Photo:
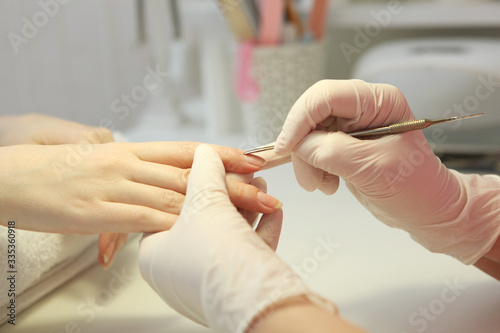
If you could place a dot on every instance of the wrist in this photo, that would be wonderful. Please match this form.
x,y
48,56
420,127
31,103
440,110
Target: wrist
x,y
477,226
301,314
275,310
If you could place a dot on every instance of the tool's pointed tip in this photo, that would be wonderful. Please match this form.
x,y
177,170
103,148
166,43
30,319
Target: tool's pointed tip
x,y
465,117
259,149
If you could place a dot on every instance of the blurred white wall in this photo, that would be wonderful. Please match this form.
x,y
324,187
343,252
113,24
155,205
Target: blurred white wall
x,y
70,59
81,60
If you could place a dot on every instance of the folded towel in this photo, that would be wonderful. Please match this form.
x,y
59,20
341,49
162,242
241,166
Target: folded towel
x,y
43,261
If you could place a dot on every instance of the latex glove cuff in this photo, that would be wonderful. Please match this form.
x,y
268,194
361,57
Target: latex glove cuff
x,y
227,304
477,226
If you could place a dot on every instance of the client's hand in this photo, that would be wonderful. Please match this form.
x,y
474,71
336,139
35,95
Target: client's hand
x,y
45,130
212,266
113,187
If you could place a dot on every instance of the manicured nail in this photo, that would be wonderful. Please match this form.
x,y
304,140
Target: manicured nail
x,y
108,254
269,201
254,160
106,259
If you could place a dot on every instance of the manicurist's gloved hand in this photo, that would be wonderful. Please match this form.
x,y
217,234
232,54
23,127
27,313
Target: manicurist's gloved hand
x,y
397,177
212,266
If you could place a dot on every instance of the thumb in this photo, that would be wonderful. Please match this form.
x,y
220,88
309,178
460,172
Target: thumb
x,y
207,181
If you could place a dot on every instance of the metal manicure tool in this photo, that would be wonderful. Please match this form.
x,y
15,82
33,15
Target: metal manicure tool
x,y
405,126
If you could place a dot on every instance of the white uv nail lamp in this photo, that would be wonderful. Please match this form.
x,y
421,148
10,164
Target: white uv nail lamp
x,y
444,77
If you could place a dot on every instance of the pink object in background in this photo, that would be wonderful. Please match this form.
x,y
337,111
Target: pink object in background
x,y
318,18
246,86
271,21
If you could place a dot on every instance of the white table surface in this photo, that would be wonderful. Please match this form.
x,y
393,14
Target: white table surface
x,y
380,279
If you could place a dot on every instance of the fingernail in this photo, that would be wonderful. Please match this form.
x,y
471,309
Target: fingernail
x,y
269,201
108,254
106,259
254,160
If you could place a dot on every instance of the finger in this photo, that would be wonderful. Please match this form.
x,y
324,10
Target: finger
x,y
330,184
269,228
340,154
259,183
311,178
159,175
180,154
97,135
109,245
161,199
249,197
125,218
249,215
78,134
272,160
104,135
242,195
121,239
107,248
240,177
308,176
172,178
207,181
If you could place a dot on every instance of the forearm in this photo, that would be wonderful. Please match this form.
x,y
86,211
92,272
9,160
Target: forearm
x,y
298,314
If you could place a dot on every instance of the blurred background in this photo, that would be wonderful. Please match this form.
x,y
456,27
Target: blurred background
x,y
149,67
184,70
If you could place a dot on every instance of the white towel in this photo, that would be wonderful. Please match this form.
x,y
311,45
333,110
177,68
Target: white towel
x,y
43,261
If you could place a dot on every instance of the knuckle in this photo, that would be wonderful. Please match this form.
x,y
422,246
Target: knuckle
x,y
392,91
187,147
240,190
105,163
184,176
225,151
171,200
321,84
141,217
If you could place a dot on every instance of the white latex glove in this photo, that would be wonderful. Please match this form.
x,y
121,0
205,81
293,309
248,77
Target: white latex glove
x,y
397,177
212,266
